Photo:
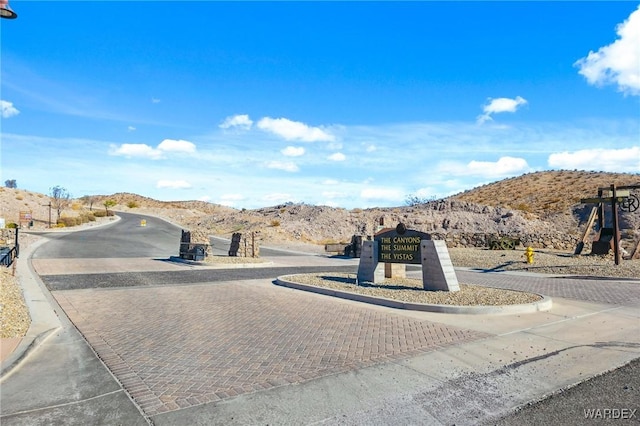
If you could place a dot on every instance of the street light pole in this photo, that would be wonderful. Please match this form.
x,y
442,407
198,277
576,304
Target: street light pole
x,y
49,205
5,10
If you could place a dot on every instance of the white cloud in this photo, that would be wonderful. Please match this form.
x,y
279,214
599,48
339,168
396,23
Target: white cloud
x,y
626,160
294,130
173,184
293,151
240,120
287,166
330,182
505,166
277,197
145,151
8,110
381,194
135,150
371,148
230,200
338,156
499,105
618,62
232,197
205,198
181,146
334,194
131,129
155,100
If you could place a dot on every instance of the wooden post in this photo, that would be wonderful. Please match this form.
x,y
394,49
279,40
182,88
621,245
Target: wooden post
x,y
601,223
616,232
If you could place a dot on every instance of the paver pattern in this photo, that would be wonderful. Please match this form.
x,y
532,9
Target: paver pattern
x,y
613,291
174,347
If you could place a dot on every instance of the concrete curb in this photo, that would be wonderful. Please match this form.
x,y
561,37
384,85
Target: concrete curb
x,y
83,227
542,305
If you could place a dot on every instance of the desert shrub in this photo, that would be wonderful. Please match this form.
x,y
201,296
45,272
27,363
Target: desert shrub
x,y
69,221
11,225
19,197
283,210
102,213
76,206
86,217
524,207
132,204
275,223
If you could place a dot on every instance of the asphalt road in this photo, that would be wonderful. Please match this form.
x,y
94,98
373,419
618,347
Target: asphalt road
x,y
124,238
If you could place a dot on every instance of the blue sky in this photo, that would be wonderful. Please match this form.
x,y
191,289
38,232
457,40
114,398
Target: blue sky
x,y
357,104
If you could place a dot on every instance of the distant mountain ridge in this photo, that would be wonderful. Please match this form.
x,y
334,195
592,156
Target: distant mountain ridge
x,y
542,204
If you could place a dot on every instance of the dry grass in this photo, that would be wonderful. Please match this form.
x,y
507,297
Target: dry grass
x,y
545,193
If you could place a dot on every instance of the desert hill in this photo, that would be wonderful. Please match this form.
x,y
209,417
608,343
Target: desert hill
x,y
546,194
541,207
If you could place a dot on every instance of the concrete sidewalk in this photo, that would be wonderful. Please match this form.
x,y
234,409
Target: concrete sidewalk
x,y
54,376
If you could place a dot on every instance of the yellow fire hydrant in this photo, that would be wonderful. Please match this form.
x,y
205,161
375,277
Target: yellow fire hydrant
x,y
528,253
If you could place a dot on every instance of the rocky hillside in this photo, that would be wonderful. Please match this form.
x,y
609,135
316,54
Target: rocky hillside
x,y
542,208
546,194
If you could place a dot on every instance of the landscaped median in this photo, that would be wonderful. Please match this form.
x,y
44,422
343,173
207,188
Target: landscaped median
x,y
408,293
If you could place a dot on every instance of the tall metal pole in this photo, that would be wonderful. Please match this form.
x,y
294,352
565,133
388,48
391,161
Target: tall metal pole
x,y
616,233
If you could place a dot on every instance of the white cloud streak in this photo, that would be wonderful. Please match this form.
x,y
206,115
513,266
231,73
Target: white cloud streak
x,y
619,62
177,146
626,160
294,130
287,166
241,121
382,194
338,156
503,167
167,146
292,151
499,105
173,184
8,110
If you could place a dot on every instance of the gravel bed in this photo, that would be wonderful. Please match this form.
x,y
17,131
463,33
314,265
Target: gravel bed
x,y
14,315
545,262
411,290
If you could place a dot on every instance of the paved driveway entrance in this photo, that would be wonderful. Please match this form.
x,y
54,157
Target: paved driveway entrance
x,y
179,346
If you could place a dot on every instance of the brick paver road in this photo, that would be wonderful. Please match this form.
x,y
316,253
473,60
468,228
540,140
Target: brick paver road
x,y
174,347
617,291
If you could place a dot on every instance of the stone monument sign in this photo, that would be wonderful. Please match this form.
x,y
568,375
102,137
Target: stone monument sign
x,y
407,246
